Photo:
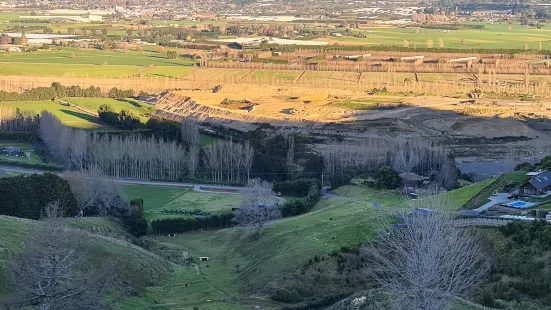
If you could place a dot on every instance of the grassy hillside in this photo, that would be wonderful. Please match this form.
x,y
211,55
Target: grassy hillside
x,y
510,179
134,264
83,115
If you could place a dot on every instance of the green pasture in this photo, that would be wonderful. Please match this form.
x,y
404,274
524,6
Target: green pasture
x,y
495,35
92,105
159,198
81,113
69,116
93,63
370,104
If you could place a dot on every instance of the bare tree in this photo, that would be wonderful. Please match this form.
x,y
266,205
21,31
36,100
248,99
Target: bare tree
x,y
427,262
193,161
190,131
258,209
95,195
48,272
448,175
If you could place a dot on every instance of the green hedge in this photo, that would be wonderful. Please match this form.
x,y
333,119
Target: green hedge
x,y
182,225
26,195
18,136
37,166
310,189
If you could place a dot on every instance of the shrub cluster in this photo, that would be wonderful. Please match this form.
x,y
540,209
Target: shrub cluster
x,y
135,223
125,119
26,196
116,93
519,256
165,128
309,190
182,225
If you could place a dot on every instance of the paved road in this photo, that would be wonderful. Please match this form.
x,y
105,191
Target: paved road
x,y
199,187
204,188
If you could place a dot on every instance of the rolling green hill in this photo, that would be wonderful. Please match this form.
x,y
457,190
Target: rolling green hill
x,y
134,264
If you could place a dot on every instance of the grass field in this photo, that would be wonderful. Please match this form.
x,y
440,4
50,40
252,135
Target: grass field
x,y
93,63
67,115
73,117
495,35
335,222
159,198
93,104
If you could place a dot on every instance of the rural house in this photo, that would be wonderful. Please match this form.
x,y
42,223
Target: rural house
x,y
538,184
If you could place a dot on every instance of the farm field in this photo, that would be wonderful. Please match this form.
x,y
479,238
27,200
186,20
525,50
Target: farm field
x,y
93,104
266,75
69,116
163,198
495,35
92,63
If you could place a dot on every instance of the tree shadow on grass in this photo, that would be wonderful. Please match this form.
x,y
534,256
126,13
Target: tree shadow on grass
x,y
132,102
83,116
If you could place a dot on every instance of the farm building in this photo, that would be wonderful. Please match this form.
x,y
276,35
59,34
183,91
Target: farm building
x,y
539,184
11,151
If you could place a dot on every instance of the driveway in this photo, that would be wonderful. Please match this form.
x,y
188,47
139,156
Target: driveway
x,y
494,200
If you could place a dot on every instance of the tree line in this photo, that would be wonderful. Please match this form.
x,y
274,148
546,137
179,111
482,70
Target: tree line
x,y
125,119
56,90
404,155
182,225
16,120
26,196
147,157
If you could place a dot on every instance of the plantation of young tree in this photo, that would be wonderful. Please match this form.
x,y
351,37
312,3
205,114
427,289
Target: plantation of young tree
x,y
145,157
404,155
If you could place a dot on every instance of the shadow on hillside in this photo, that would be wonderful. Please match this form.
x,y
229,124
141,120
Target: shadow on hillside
x,y
80,115
132,102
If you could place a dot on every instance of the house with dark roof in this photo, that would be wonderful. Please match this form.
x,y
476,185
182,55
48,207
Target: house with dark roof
x,y
539,184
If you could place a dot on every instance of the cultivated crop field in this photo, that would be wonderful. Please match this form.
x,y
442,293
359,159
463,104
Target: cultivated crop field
x,y
266,75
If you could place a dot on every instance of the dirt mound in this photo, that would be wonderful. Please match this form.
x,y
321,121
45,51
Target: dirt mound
x,y
481,127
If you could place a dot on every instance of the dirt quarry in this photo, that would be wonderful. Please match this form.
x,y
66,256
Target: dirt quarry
x,y
470,127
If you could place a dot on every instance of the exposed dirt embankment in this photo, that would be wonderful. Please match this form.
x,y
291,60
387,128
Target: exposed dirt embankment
x,y
277,109
176,106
